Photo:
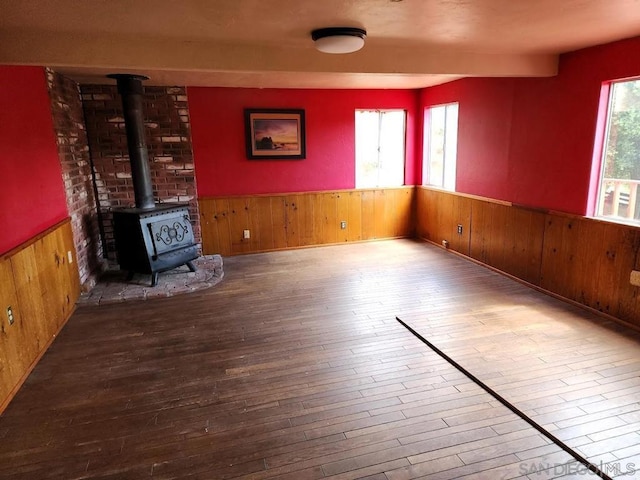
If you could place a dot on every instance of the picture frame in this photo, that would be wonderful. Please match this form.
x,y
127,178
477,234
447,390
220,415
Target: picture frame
x,y
275,134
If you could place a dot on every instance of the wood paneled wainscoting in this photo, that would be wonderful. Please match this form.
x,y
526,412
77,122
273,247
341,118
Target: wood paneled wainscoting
x,y
283,221
584,260
39,286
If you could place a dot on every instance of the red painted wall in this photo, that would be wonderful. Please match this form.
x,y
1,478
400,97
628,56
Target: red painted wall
x,y
217,128
32,195
530,141
484,122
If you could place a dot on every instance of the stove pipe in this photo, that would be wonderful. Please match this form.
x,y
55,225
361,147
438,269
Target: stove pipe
x,y
130,88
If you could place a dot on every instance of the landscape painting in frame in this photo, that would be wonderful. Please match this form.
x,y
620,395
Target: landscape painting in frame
x,y
274,134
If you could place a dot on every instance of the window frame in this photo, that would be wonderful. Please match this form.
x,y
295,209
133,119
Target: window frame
x,y
426,147
381,111
595,207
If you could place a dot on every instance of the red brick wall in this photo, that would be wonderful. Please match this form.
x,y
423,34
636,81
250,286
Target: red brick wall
x,y
168,138
73,151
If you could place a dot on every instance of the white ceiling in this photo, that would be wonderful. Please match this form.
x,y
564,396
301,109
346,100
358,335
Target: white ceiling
x,y
267,43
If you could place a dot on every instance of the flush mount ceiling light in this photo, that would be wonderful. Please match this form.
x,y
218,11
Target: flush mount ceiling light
x,y
339,39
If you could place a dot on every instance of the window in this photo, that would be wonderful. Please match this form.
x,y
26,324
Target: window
x,y
380,152
618,197
440,146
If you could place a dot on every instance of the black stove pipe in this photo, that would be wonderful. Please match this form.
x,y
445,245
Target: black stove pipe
x,y
130,89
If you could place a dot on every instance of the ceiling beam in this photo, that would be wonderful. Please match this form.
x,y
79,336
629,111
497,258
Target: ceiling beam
x,y
95,55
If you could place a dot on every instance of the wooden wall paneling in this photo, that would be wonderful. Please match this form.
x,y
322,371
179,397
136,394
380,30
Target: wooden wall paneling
x,y
368,214
433,217
464,219
12,337
238,222
559,264
62,284
513,223
591,235
411,220
634,307
262,222
292,204
435,234
388,200
480,230
29,293
311,227
330,215
206,207
304,219
449,220
617,259
395,210
404,212
354,219
317,218
508,258
551,270
578,258
606,256
51,267
381,221
42,285
255,233
209,225
279,220
527,230
403,215
223,226
72,268
573,234
443,218
431,200
421,212
497,236
439,232
342,215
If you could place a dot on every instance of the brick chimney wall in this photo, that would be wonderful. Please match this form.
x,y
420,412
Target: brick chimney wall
x,y
168,138
73,150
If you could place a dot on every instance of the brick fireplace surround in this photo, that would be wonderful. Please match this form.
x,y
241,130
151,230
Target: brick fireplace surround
x,y
90,129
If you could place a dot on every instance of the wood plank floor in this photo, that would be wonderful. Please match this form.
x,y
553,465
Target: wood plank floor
x,y
295,368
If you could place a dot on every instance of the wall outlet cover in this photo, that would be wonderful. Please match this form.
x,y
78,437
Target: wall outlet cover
x,y
635,278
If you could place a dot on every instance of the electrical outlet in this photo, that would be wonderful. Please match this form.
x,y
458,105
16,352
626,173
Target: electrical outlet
x,y
343,225
69,256
10,315
445,243
635,278
459,229
246,234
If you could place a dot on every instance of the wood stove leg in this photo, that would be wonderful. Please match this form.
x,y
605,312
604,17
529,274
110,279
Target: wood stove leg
x,y
130,275
154,279
192,267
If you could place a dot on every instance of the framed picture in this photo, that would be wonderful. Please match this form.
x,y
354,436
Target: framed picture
x,y
274,134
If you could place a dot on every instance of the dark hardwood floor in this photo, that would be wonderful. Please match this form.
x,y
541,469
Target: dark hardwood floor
x,y
295,368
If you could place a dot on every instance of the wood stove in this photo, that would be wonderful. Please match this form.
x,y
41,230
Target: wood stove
x,y
149,238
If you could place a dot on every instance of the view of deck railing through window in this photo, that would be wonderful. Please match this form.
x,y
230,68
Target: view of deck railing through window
x,y
620,170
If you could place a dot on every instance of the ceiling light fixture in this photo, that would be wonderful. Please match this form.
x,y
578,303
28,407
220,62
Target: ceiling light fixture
x,y
339,39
